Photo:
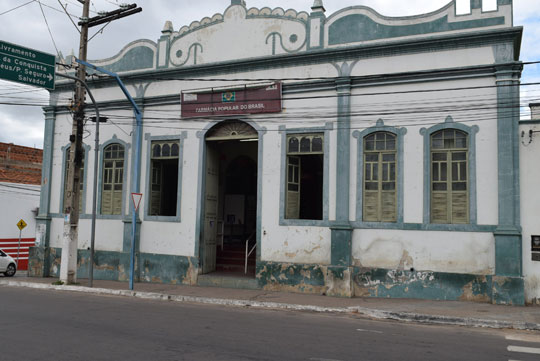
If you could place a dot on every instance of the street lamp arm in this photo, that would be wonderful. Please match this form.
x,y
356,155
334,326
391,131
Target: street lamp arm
x,y
118,80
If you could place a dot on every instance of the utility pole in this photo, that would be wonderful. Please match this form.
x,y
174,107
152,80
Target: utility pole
x,y
68,265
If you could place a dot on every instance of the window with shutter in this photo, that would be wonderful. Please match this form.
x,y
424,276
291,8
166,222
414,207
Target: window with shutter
x,y
304,182
380,188
164,178
112,182
449,177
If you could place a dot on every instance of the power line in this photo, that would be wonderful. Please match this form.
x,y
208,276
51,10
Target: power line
x,y
391,92
48,27
18,7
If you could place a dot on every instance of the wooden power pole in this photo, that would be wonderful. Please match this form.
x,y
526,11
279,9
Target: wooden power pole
x,y
68,265
72,198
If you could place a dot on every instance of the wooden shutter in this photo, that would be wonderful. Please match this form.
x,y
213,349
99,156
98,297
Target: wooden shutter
x,y
292,207
155,196
371,206
449,177
460,209
106,202
379,190
439,207
388,206
118,187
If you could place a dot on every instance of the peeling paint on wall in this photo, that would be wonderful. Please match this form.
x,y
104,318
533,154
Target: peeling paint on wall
x,y
420,284
115,266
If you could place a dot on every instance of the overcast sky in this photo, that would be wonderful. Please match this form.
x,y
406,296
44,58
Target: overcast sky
x,y
27,26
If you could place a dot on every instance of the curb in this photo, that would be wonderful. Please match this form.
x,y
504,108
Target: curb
x,y
363,311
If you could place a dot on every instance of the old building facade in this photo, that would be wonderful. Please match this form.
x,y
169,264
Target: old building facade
x,y
356,154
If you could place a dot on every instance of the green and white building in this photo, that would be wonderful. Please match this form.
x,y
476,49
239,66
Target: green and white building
x,y
359,154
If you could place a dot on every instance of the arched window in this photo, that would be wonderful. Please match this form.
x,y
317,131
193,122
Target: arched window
x,y
449,177
164,178
113,177
380,174
305,176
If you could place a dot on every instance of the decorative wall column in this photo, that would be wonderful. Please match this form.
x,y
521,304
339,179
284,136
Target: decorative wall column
x,y
315,28
341,229
164,44
39,255
508,284
134,175
339,275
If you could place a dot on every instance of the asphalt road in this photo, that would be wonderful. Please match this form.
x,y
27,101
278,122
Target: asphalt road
x,y
49,325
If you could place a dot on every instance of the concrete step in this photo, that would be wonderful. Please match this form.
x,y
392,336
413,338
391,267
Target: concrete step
x,y
236,268
227,280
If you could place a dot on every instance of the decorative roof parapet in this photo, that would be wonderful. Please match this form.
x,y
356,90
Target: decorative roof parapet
x,y
318,7
278,13
167,28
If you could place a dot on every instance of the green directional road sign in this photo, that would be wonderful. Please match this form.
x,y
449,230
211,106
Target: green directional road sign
x,y
26,66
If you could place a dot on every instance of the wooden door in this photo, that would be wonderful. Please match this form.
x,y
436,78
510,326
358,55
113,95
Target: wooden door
x,y
211,209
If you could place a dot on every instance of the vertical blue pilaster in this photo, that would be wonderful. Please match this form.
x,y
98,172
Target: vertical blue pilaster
x,y
508,242
341,231
39,258
476,4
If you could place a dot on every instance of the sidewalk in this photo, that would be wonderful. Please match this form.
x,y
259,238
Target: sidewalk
x,y
424,311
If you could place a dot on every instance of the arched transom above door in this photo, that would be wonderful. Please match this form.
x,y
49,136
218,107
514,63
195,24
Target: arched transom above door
x,y
231,130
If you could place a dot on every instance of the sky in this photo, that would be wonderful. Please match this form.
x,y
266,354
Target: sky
x,y
43,25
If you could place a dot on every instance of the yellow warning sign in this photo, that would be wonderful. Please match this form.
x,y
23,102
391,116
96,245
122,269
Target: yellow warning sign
x,y
21,224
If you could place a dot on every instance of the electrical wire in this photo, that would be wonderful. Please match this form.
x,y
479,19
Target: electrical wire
x,y
18,7
49,28
70,18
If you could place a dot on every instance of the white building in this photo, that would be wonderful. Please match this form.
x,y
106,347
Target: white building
x,y
366,155
20,175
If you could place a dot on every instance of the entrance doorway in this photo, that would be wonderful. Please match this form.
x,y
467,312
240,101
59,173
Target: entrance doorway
x,y
230,199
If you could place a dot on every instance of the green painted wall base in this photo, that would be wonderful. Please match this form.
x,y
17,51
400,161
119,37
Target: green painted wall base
x,y
336,281
439,286
114,266
341,246
303,278
38,262
340,281
508,290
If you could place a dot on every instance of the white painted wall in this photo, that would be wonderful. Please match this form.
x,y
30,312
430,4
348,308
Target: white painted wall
x,y
457,252
453,252
17,202
530,207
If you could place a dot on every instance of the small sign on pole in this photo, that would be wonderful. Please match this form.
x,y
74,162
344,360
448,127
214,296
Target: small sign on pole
x,y
136,197
21,225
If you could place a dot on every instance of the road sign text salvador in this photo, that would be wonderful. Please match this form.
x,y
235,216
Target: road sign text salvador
x,y
26,66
